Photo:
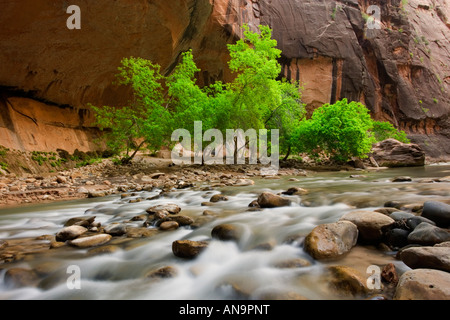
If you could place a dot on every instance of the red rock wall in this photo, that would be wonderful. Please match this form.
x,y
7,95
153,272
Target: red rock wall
x,y
402,72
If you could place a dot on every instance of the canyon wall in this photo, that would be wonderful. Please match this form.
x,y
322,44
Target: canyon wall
x,y
49,74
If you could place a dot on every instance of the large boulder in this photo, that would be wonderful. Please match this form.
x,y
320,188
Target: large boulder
x,y
438,212
331,240
427,257
427,234
423,284
270,200
70,233
91,241
372,225
393,153
188,249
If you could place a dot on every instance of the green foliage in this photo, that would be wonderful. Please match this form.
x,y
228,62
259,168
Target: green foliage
x,y
385,130
255,99
341,131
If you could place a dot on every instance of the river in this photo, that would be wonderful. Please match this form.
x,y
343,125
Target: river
x,y
226,269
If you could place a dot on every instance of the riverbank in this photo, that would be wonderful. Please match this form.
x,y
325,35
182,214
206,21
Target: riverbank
x,y
144,173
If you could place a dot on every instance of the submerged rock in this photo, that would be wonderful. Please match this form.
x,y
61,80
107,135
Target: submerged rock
x,y
227,232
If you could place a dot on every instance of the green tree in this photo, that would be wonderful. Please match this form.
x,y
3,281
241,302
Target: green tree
x,y
341,131
144,121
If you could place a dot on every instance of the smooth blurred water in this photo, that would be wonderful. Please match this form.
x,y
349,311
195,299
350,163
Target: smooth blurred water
x,y
225,270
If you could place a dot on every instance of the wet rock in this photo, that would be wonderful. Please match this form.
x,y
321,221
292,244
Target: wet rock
x,y
371,225
163,273
401,215
226,232
218,197
270,200
348,281
393,153
438,212
243,182
169,208
181,220
413,222
332,240
103,250
116,229
279,295
292,263
423,284
169,225
389,274
97,193
427,234
91,241
136,232
84,221
296,191
402,179
188,249
427,257
70,233
397,238
254,204
3,244
20,277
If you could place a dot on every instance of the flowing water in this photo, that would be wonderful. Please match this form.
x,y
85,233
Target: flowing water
x,y
226,269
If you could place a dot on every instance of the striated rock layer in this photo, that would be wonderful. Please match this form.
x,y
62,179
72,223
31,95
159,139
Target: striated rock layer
x,y
400,71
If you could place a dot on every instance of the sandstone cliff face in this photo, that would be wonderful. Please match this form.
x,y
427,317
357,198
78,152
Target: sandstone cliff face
x,y
401,72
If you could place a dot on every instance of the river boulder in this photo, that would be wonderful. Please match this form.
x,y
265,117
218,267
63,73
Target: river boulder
x,y
70,233
331,240
116,229
270,200
438,212
393,153
423,284
427,234
92,241
227,232
188,249
427,257
371,225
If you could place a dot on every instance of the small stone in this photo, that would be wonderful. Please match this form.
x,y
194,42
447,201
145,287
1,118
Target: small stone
x,y
295,191
389,274
20,277
163,273
402,179
218,197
